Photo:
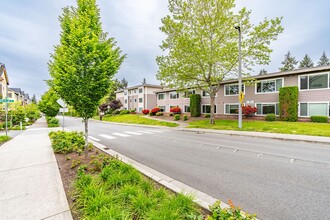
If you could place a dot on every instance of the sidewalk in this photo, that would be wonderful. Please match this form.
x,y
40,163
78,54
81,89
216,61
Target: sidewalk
x,y
30,182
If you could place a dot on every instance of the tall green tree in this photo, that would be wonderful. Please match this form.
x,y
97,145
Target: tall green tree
x,y
262,72
289,62
85,61
48,103
324,60
123,84
34,99
144,81
306,62
202,44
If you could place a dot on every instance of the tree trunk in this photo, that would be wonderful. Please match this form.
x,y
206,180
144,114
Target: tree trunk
x,y
86,137
212,96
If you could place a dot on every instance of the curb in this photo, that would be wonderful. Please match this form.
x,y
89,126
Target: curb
x,y
200,198
133,125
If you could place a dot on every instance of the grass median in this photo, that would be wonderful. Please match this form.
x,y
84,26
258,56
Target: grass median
x,y
136,119
4,138
302,128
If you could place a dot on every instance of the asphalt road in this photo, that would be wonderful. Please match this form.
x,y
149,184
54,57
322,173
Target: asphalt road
x,y
273,178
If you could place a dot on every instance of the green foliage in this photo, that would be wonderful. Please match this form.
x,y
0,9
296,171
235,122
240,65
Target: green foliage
x,y
4,138
289,62
66,142
202,44
324,60
195,105
48,103
319,119
17,115
159,114
75,163
270,117
185,118
32,112
306,62
288,103
177,117
231,213
52,122
207,116
124,112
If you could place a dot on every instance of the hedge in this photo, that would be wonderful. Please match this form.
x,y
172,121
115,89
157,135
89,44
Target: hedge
x,y
288,103
319,119
195,105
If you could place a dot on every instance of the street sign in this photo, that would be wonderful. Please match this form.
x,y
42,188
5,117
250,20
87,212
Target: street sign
x,y
61,103
64,110
241,97
6,100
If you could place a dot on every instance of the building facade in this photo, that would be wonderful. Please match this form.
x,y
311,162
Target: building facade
x,y
138,97
4,81
313,84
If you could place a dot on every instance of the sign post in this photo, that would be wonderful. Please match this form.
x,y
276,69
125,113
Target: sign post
x,y
63,109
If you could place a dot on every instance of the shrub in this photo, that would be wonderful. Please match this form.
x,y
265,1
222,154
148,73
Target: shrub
x,y
195,105
133,111
159,114
52,122
270,117
288,103
185,118
154,111
145,111
177,117
319,119
207,116
176,110
66,142
171,114
228,213
248,110
124,112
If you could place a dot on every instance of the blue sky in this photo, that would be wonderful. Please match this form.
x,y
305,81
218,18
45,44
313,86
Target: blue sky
x,y
29,29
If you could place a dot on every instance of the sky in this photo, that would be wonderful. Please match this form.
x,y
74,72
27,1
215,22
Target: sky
x,y
30,29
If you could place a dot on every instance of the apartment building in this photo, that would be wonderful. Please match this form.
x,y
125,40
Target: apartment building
x,y
313,84
138,97
4,81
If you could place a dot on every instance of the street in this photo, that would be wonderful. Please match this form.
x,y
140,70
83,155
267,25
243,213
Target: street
x,y
275,179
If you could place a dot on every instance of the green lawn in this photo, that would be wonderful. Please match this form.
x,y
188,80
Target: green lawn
x,y
136,119
4,138
304,128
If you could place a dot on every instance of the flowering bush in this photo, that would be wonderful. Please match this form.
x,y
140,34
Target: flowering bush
x,y
154,111
145,111
248,110
175,110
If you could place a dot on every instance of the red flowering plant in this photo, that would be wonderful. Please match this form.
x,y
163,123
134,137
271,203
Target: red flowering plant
x,y
145,111
176,110
248,110
154,111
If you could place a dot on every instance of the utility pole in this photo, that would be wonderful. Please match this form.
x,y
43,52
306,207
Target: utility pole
x,y
239,75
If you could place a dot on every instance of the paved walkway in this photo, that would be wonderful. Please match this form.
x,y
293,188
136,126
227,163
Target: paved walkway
x,y
30,182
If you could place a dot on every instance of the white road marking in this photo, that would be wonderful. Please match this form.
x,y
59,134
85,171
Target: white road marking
x,y
121,135
147,132
107,136
93,138
155,131
134,133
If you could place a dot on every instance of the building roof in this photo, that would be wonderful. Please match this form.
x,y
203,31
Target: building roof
x,y
142,85
16,90
270,75
4,71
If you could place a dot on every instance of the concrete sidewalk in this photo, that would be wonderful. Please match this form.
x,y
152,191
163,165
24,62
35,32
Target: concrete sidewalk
x,y
30,182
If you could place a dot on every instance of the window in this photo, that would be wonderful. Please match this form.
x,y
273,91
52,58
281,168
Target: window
x,y
205,94
269,86
161,96
125,92
10,95
140,90
134,100
310,109
267,108
231,108
125,101
140,100
315,81
233,89
174,95
140,109
188,93
162,108
186,108
135,90
206,109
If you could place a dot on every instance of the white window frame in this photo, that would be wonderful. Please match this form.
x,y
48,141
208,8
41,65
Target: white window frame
x,y
308,116
141,90
184,94
177,95
210,108
184,108
224,89
266,103
163,93
224,108
313,74
262,93
162,106
208,95
141,100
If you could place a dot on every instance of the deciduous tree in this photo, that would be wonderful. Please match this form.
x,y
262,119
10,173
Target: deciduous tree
x,y
202,44
48,103
85,61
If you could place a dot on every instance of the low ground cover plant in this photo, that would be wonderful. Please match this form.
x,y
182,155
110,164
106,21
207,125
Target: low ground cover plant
x,y
4,138
270,117
231,213
177,117
207,115
52,122
185,118
319,119
124,112
159,114
66,142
